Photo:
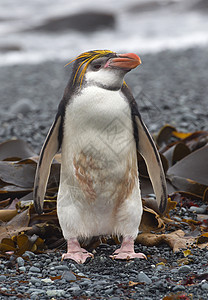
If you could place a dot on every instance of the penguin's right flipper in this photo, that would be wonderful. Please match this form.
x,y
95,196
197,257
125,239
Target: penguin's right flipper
x,y
48,151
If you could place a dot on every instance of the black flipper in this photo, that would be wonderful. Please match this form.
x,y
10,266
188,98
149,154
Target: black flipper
x,y
48,151
147,148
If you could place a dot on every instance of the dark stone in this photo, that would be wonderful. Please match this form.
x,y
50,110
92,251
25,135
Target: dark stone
x,y
149,6
84,21
201,5
7,48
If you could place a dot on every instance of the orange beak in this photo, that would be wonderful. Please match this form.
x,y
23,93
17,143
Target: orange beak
x,y
126,61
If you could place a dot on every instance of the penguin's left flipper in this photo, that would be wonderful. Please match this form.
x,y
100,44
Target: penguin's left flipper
x,y
48,151
147,148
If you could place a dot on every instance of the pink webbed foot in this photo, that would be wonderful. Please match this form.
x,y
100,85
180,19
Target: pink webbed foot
x,y
126,251
75,252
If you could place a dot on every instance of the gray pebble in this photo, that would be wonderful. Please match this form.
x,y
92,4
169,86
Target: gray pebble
x,y
74,288
60,281
174,271
68,276
115,298
142,277
28,254
53,273
160,267
204,286
109,291
154,278
2,277
184,269
199,210
20,261
34,290
178,288
22,106
35,280
22,269
158,283
61,267
55,293
85,282
34,270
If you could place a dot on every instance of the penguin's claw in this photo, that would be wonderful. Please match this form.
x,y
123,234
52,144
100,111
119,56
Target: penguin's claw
x,y
75,252
126,251
79,256
127,255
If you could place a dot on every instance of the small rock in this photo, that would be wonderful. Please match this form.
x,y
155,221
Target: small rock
x,y
142,277
22,106
184,269
61,267
55,293
199,210
85,282
74,289
53,273
28,254
204,286
178,288
34,270
47,280
109,291
34,280
68,276
174,264
2,277
154,278
174,271
22,269
37,291
20,261
160,267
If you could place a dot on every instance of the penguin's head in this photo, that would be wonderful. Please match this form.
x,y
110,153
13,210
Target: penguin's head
x,y
102,68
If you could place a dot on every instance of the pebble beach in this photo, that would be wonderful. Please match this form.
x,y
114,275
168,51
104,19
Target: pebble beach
x,y
170,87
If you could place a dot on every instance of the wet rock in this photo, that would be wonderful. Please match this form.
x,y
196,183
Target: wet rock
x,y
34,270
83,21
204,286
7,48
55,293
2,277
149,6
178,288
22,106
199,210
184,269
142,277
20,261
68,276
201,5
61,267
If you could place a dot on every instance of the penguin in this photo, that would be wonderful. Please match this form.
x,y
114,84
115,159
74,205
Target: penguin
x,y
101,133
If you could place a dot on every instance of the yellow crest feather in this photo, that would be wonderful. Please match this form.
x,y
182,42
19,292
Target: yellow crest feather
x,y
87,58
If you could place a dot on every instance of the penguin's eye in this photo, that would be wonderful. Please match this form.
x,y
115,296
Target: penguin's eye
x,y
96,67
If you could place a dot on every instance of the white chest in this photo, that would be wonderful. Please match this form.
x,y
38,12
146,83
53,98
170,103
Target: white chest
x,y
100,119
